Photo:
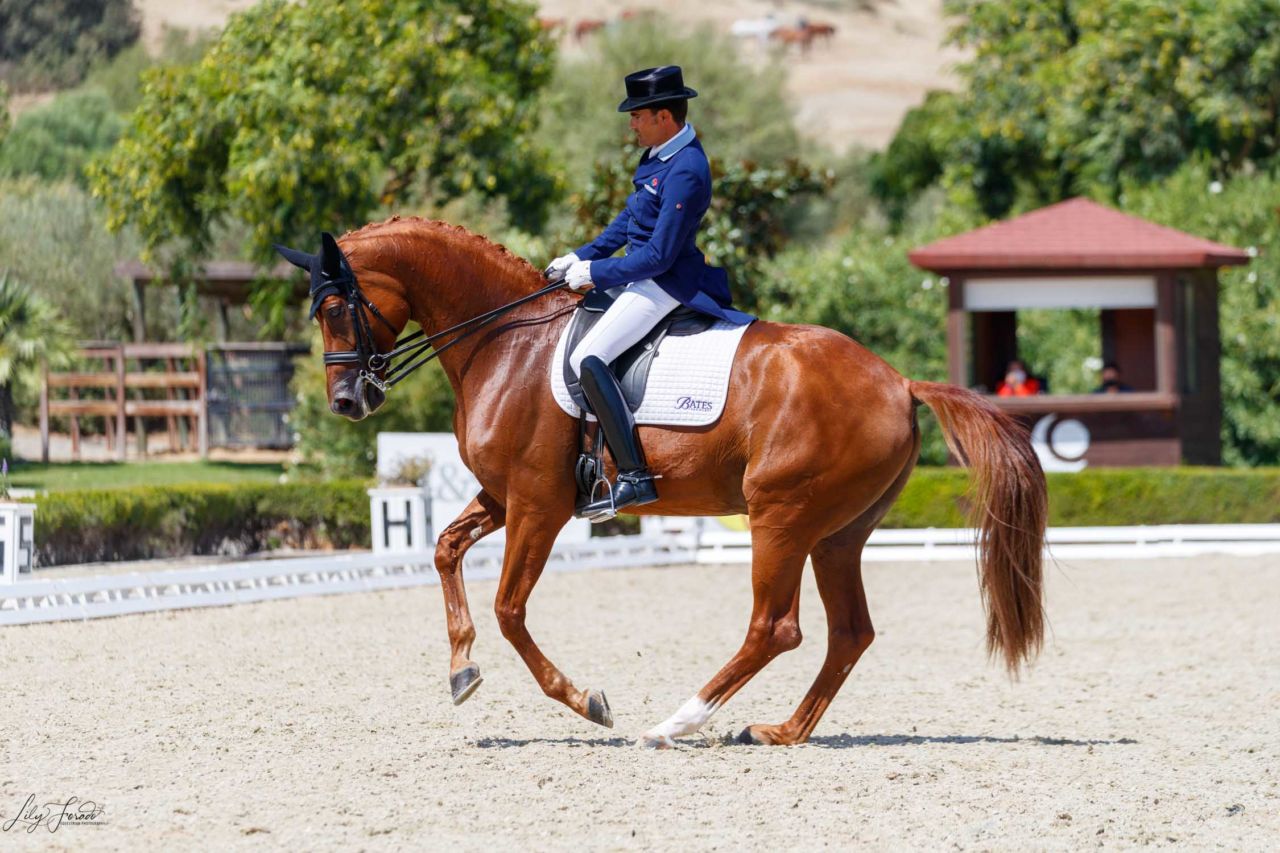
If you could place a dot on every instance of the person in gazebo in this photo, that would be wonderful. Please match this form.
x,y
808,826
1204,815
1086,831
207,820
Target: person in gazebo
x,y
1017,382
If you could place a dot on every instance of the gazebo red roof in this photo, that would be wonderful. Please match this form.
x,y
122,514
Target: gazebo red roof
x,y
1074,234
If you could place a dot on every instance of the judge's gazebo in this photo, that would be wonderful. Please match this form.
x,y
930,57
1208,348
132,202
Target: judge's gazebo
x,y
1157,294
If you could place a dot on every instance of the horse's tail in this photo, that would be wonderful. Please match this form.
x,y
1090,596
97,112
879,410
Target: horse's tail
x,y
1009,509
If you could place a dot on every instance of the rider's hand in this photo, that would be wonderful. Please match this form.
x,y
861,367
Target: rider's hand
x,y
579,276
557,268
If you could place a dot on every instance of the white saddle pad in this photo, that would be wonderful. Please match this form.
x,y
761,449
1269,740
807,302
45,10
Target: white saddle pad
x,y
688,380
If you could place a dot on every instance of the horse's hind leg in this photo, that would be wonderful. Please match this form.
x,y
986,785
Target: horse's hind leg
x,y
777,561
837,567
480,518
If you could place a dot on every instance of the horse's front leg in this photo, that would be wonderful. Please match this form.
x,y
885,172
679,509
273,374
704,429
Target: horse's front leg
x,y
530,535
480,518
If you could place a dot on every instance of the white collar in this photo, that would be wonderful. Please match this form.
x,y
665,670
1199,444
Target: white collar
x,y
668,149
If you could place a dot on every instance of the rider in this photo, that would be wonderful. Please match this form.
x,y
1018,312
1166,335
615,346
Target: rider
x,y
662,269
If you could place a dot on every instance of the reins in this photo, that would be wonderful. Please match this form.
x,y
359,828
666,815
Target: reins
x,y
410,347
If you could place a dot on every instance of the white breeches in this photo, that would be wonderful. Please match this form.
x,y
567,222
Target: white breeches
x,y
634,312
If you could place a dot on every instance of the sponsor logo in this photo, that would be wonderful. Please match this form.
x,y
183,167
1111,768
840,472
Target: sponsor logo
x,y
694,405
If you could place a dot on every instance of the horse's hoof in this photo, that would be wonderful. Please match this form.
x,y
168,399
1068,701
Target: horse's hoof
x,y
652,741
598,709
752,736
464,682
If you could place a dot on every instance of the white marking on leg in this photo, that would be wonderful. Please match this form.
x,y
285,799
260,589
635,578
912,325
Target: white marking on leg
x,y
691,717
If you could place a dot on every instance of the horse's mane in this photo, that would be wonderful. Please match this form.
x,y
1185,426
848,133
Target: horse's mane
x,y
452,233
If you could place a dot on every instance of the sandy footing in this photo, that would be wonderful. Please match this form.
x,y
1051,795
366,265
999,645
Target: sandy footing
x,y
326,723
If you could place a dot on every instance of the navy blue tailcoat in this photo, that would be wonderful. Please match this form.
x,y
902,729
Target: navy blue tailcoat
x,y
659,227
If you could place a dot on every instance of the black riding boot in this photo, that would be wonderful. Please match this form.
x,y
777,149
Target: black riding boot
x,y
634,485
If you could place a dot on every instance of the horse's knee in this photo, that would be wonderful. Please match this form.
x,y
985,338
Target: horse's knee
x,y
446,556
510,619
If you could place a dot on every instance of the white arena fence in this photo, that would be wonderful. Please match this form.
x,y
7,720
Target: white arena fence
x,y
665,541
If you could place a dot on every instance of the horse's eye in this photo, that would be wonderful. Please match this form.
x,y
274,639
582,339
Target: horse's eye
x,y
334,311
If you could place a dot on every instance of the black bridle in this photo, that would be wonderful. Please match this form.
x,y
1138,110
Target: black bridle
x,y
409,348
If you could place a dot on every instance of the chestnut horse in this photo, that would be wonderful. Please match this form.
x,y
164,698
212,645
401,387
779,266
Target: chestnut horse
x,y
818,437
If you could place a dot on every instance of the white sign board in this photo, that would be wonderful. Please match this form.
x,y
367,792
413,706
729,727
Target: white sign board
x,y
449,483
17,540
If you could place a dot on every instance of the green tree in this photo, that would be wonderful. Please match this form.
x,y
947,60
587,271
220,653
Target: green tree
x,y
1067,97
305,117
1240,211
30,332
49,43
56,140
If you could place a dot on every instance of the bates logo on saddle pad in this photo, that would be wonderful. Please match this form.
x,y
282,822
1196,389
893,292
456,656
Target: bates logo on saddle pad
x,y
687,383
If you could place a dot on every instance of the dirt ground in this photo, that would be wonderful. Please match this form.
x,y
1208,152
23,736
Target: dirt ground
x,y
326,723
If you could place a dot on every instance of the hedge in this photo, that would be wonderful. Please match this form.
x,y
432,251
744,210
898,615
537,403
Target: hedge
x,y
936,497
140,523
145,522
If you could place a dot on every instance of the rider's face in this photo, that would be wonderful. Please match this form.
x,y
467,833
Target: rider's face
x,y
650,127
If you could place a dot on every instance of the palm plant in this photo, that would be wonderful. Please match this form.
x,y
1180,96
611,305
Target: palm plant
x,y
31,332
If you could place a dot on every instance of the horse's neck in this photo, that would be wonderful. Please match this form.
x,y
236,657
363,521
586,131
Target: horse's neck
x,y
464,282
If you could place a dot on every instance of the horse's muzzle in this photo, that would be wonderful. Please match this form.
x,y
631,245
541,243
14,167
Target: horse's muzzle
x,y
354,398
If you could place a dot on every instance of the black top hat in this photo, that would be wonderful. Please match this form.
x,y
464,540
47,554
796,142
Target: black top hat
x,y
664,83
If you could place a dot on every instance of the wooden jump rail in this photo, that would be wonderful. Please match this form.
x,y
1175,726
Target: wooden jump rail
x,y
119,405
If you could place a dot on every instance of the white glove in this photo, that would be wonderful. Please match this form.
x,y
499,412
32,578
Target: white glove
x,y
579,276
557,268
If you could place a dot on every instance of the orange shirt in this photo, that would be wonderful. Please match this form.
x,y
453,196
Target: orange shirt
x,y
1027,388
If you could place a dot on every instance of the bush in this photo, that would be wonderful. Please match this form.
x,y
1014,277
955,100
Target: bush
x,y
1098,497
142,523
56,141
52,238
145,522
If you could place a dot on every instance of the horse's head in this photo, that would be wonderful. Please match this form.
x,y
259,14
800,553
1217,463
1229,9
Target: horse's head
x,y
359,325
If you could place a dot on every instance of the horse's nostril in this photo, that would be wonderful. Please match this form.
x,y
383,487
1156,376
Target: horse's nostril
x,y
342,405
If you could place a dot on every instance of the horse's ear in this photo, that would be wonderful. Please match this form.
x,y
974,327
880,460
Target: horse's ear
x,y
294,256
330,256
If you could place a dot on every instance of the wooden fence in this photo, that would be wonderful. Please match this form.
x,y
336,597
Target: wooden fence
x,y
127,386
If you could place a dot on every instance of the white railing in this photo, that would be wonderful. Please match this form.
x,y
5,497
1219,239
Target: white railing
x,y
263,580
1102,543
74,598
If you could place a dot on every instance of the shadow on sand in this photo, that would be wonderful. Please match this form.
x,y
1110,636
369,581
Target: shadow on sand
x,y
822,741
848,741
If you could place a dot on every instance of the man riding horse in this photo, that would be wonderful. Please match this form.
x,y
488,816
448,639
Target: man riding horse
x,y
662,269
813,494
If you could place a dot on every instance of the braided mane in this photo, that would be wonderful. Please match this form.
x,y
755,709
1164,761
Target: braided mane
x,y
453,233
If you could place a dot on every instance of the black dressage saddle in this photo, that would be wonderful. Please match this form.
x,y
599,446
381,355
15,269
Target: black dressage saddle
x,y
632,367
